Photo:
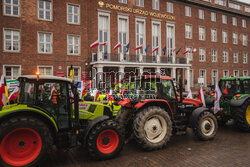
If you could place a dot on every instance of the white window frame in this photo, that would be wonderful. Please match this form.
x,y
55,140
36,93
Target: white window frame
x,y
143,20
244,41
213,16
79,14
235,57
12,5
243,73
234,21
201,14
10,65
244,57
236,71
202,54
235,38
214,56
215,38
202,33
140,3
189,55
12,40
73,44
156,4
158,23
123,1
224,36
123,17
170,7
45,66
104,14
205,76
216,77
191,31
79,72
225,56
224,19
45,10
44,42
221,2
227,73
170,50
188,11
244,23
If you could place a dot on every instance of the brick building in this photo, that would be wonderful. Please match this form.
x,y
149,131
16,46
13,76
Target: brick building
x,y
52,35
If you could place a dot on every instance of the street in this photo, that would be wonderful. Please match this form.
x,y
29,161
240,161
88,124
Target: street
x,y
230,148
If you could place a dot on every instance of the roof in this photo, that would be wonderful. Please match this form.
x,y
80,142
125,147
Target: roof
x,y
234,78
46,77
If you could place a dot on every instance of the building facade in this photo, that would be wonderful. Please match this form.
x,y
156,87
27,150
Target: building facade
x,y
193,40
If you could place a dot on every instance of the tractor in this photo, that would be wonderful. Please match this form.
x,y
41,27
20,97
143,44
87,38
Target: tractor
x,y
153,112
49,112
234,102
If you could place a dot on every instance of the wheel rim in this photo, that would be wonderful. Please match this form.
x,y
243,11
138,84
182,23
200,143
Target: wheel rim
x,y
248,115
107,141
155,129
207,126
20,147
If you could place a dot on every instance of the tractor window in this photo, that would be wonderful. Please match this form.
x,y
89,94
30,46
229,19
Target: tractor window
x,y
246,86
28,93
168,91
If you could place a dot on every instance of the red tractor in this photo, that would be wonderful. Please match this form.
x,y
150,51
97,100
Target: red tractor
x,y
153,111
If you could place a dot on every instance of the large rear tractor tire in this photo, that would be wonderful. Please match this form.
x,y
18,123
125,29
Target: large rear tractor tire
x,y
152,128
242,116
206,126
124,118
25,141
105,140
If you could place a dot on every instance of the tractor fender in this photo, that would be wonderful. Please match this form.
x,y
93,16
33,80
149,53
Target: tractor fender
x,y
237,103
195,115
43,116
91,124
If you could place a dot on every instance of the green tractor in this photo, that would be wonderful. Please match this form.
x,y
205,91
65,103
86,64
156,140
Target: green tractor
x,y
234,102
49,113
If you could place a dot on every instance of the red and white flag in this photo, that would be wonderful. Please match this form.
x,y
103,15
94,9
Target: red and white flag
x,y
217,99
13,95
103,43
190,94
194,50
83,92
138,47
186,52
96,43
155,49
201,97
117,46
96,95
2,92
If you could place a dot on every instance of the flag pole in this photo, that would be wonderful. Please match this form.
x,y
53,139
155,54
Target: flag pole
x,y
6,91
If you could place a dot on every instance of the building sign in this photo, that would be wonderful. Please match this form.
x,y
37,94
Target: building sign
x,y
136,11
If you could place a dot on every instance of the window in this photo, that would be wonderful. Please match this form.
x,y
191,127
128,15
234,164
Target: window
x,y
73,14
104,34
122,1
170,7
45,70
214,77
247,9
234,6
234,21
213,16
202,33
187,11
244,23
11,7
44,10
189,54
207,0
156,36
224,37
213,35
188,31
235,56
220,2
202,54
11,40
244,57
225,73
201,14
224,19
44,42
236,73
170,39
11,72
245,73
203,75
214,55
140,3
140,35
155,4
244,40
123,33
76,73
235,38
73,45
225,56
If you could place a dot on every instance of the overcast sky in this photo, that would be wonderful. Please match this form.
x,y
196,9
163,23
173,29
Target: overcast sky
x,y
246,1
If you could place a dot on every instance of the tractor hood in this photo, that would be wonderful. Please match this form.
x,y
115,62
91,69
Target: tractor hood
x,y
125,103
197,103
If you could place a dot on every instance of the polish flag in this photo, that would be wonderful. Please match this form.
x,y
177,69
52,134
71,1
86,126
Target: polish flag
x,y
83,92
194,50
155,49
104,43
201,97
139,47
217,99
96,43
2,92
186,52
117,46
13,95
190,96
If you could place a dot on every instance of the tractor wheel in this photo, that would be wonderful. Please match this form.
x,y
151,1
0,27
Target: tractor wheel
x,y
25,141
125,121
105,140
206,126
242,116
152,128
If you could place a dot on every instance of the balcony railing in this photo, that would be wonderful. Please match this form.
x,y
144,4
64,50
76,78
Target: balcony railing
x,y
111,57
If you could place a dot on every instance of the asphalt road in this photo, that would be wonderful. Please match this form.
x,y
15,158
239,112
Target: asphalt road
x,y
230,148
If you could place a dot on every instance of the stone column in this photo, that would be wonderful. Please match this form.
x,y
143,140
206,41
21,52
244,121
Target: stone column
x,y
188,79
121,73
158,71
99,76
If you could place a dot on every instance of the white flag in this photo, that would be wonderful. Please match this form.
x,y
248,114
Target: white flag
x,y
217,99
201,97
190,94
